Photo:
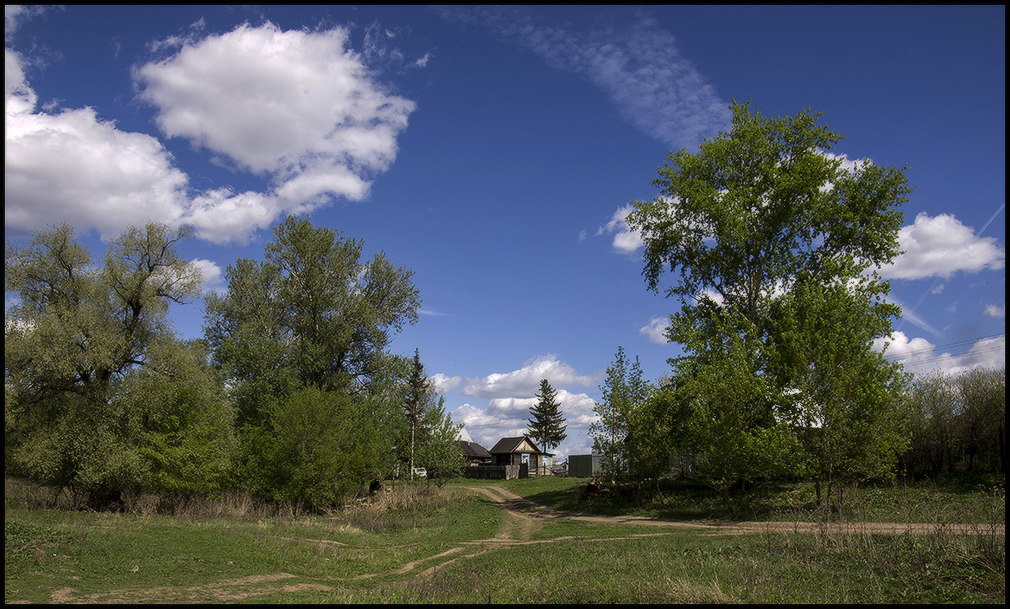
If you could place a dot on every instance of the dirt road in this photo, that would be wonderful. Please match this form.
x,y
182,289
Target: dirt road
x,y
522,519
519,507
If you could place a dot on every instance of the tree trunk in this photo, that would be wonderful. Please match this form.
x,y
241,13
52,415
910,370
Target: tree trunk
x,y
412,450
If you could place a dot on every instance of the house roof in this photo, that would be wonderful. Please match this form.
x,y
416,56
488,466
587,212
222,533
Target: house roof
x,y
474,450
508,445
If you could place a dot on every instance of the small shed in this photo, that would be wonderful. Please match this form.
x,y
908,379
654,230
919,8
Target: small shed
x,y
475,453
583,466
522,451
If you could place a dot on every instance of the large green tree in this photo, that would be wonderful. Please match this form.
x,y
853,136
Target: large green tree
x,y
547,427
301,339
311,313
93,370
755,214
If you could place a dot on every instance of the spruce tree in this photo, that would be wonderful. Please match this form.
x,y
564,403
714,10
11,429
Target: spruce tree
x,y
547,425
419,395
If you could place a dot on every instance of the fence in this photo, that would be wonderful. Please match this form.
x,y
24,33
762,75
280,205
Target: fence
x,y
492,472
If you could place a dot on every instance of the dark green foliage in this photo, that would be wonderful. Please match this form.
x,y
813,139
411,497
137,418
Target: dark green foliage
x,y
547,426
324,445
842,397
187,438
311,313
722,420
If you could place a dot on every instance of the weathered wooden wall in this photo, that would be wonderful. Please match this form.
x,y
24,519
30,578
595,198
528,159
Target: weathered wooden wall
x,y
492,472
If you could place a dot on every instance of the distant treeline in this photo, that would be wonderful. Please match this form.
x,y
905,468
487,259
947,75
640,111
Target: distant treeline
x,y
956,423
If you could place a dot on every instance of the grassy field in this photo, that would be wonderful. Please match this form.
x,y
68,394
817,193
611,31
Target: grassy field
x,y
977,499
424,544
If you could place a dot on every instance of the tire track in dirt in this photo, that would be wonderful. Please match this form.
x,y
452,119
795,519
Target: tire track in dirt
x,y
229,590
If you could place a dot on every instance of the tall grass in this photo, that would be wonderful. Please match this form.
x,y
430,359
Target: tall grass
x,y
943,560
391,511
223,504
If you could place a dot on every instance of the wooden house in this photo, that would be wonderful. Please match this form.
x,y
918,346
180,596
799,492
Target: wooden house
x,y
523,452
475,454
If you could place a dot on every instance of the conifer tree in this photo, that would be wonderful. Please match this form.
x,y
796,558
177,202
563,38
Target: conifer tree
x,y
547,426
419,395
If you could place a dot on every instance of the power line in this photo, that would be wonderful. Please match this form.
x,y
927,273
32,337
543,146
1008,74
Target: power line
x,y
935,347
945,356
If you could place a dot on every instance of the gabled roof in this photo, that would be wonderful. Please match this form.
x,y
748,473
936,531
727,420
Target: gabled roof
x,y
474,450
507,445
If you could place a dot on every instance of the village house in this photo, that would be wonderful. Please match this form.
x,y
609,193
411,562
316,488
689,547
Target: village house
x,y
523,452
476,455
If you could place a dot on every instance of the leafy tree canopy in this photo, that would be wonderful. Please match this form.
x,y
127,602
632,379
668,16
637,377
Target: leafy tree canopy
x,y
311,313
82,343
775,244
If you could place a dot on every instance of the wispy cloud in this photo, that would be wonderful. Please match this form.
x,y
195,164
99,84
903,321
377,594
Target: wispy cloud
x,y
211,274
15,15
432,313
639,67
908,314
443,383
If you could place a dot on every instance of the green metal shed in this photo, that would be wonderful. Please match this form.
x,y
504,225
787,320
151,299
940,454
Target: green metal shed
x,y
583,466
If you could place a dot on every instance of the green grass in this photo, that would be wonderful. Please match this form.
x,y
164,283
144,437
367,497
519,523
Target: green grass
x,y
690,567
980,499
94,553
54,555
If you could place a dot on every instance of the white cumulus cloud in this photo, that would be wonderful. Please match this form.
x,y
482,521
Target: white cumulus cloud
x,y
298,106
656,330
211,273
526,380
75,167
920,356
626,240
443,383
940,246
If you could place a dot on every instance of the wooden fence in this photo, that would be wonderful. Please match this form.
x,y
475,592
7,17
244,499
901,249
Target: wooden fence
x,y
492,472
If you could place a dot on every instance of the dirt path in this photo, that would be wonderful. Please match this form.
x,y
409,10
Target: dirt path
x,y
516,504
522,519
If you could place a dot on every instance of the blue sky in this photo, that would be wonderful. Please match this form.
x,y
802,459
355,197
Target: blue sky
x,y
494,151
